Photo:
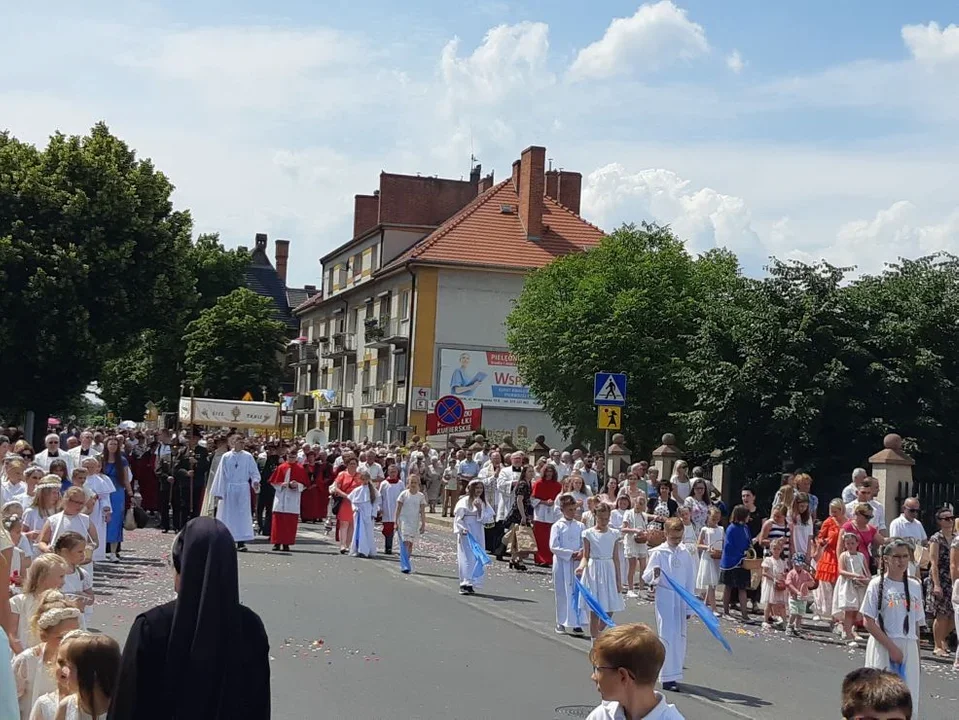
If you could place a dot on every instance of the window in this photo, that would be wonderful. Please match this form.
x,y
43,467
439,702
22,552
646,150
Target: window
x,y
404,309
357,265
373,258
385,302
369,310
400,367
329,281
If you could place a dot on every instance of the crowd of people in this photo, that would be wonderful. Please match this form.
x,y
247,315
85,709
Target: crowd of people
x,y
607,540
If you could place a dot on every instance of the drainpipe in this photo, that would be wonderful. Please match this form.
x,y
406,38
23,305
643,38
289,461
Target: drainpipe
x,y
409,359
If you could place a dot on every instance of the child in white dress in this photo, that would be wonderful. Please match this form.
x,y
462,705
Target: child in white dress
x,y
710,545
46,573
850,586
33,669
774,595
89,655
893,613
599,568
365,501
78,582
411,513
589,517
471,513
635,547
689,532
616,518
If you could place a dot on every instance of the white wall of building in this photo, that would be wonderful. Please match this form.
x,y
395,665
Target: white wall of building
x,y
471,313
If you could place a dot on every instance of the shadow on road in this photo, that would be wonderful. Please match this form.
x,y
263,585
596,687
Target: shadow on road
x,y
725,698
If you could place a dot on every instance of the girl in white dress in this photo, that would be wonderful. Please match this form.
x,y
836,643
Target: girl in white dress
x,y
102,486
22,551
89,661
46,573
364,501
634,544
600,568
33,668
78,582
893,614
689,532
710,545
774,594
850,586
471,513
69,519
45,503
616,518
411,513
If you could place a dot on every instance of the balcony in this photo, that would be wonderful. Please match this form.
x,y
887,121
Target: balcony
x,y
339,346
343,402
303,404
306,355
383,397
387,331
369,393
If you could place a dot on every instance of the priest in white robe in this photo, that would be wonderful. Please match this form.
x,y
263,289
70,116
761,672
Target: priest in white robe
x,y
671,610
566,544
237,472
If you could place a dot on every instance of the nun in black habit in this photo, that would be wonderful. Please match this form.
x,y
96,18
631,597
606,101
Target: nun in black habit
x,y
202,656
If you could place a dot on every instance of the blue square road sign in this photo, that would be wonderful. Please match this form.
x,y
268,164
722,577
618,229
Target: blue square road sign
x,y
609,389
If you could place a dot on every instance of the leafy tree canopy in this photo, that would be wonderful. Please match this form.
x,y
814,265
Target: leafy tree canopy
x,y
235,346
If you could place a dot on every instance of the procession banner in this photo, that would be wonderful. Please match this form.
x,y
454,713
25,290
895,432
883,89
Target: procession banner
x,y
229,413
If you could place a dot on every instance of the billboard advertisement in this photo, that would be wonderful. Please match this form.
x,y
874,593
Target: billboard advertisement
x,y
487,377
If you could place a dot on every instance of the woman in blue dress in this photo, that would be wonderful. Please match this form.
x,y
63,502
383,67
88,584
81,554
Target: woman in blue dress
x,y
116,466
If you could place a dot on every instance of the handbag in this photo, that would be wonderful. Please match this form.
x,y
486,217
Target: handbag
x,y
922,557
335,508
129,520
525,540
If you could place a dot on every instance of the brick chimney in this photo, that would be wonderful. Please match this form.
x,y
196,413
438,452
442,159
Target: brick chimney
x,y
532,185
282,258
552,184
570,189
485,184
366,213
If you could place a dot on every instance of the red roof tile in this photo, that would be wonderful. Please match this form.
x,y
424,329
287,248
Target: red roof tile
x,y
482,234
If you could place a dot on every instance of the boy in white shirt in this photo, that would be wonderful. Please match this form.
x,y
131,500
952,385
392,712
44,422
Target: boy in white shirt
x,y
626,662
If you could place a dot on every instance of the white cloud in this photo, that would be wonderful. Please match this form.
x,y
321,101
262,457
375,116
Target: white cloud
x,y
704,218
930,44
735,62
510,58
657,35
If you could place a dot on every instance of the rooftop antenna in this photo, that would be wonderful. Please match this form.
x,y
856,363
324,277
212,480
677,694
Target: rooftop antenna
x,y
551,164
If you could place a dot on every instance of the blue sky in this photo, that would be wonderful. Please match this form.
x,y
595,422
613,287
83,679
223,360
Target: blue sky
x,y
807,130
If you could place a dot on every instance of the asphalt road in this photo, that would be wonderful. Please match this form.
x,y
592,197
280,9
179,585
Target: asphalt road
x,y
353,638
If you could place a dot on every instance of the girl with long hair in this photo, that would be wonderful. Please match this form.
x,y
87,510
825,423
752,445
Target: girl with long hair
x,y
91,664
471,513
365,502
117,468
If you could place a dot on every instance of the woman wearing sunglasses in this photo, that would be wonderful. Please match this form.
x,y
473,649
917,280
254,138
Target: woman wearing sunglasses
x,y
938,584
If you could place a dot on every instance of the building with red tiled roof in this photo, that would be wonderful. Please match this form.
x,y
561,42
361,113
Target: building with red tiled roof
x,y
413,306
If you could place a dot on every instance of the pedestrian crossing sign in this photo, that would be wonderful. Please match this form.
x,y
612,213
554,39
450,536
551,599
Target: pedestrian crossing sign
x,y
609,389
609,417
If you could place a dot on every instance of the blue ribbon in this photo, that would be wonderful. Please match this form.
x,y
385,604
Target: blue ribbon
x,y
405,564
898,668
479,555
699,607
357,521
580,589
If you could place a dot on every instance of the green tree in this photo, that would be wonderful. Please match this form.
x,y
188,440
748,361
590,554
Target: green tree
x,y
235,346
628,305
89,252
152,369
775,372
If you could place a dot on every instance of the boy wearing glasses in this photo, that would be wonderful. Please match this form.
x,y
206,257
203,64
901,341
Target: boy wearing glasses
x,y
626,662
870,694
